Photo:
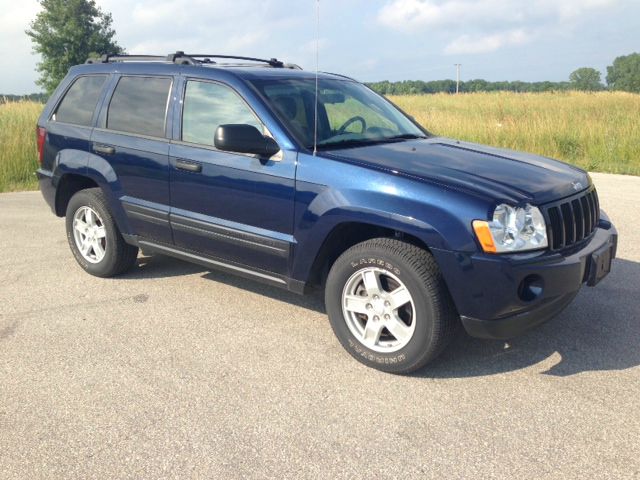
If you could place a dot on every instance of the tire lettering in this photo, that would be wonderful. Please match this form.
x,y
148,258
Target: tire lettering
x,y
378,263
376,358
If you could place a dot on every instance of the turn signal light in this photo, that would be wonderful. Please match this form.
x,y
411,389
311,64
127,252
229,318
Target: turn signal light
x,y
481,228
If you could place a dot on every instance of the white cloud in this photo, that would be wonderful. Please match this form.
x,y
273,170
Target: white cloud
x,y
205,26
469,44
487,24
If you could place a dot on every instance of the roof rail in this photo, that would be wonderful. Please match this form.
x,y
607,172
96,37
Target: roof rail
x,y
182,58
110,58
273,62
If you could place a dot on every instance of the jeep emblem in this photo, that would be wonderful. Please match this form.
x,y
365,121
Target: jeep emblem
x,y
576,186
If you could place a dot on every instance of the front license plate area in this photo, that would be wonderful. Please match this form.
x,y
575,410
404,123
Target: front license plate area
x,y
600,264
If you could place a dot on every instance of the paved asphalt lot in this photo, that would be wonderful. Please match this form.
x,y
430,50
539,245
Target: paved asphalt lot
x,y
173,371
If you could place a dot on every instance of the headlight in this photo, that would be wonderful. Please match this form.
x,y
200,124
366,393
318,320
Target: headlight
x,y
512,230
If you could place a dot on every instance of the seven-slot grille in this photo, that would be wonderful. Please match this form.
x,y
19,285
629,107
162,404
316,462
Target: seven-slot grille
x,y
572,219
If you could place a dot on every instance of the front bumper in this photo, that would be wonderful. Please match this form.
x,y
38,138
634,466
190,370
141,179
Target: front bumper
x,y
488,289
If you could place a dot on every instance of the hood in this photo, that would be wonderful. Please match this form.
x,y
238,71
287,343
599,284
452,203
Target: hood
x,y
494,173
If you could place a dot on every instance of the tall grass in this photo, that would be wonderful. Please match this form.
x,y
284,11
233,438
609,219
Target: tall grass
x,y
18,161
596,131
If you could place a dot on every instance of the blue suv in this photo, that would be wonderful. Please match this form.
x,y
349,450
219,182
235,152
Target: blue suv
x,y
301,180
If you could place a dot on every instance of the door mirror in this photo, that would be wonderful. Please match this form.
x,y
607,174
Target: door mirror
x,y
244,139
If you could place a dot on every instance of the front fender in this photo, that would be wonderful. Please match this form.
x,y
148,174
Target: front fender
x,y
439,217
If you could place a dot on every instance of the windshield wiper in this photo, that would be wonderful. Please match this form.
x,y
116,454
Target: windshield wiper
x,y
405,136
367,141
349,143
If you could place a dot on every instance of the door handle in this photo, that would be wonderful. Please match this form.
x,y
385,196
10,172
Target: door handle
x,y
105,149
189,166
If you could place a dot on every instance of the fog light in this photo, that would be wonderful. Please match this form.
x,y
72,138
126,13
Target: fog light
x,y
531,288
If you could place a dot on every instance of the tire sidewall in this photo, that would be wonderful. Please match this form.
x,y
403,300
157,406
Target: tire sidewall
x,y
424,314
104,266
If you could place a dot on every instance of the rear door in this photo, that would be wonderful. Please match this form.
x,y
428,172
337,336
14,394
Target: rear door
x,y
230,206
132,138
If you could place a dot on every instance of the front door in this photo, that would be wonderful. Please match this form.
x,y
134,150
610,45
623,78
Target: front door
x,y
232,207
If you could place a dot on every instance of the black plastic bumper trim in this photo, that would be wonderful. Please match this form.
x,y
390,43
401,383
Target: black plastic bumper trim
x,y
512,326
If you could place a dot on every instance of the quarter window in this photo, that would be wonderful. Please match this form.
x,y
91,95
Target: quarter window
x,y
139,105
209,105
80,101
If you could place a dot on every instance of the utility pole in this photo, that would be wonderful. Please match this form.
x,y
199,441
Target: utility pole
x,y
458,65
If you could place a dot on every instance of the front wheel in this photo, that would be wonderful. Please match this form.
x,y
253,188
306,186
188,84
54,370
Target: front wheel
x,y
388,305
94,238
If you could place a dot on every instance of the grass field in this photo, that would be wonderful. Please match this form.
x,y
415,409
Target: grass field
x,y
18,145
597,131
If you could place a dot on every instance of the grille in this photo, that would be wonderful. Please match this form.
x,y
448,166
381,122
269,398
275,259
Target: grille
x,y
572,219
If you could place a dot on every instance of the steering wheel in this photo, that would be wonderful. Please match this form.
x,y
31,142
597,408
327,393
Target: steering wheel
x,y
346,124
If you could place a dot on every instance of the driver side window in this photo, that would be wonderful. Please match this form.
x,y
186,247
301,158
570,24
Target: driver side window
x,y
208,105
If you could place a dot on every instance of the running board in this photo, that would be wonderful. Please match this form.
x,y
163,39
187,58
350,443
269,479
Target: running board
x,y
214,264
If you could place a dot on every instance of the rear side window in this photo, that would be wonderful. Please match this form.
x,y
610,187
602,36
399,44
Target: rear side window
x,y
209,105
139,105
80,101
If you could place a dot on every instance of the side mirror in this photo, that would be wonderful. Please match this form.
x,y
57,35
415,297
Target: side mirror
x,y
244,139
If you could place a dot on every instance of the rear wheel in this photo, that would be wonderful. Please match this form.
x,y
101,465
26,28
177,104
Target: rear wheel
x,y
388,305
94,238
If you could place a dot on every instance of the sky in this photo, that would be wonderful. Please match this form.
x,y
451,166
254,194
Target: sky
x,y
370,40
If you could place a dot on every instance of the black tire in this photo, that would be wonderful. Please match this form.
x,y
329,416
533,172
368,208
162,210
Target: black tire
x,y
119,256
433,312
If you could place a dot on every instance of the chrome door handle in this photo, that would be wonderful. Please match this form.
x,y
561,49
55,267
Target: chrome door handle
x,y
188,166
105,149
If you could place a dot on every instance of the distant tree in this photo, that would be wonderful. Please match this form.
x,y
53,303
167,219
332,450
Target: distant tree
x,y
66,33
624,74
586,78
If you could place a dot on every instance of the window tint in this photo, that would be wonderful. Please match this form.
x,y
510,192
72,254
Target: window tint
x,y
79,103
139,105
208,105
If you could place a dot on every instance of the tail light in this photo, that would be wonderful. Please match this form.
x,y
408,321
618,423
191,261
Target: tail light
x,y
41,135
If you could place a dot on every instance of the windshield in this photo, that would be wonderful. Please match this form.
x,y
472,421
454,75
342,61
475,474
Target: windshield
x,y
349,114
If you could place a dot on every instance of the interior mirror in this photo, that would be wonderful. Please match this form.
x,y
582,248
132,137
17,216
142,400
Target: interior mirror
x,y
242,138
331,97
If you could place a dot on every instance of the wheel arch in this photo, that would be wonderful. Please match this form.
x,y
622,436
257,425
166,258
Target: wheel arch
x,y
70,178
68,185
347,234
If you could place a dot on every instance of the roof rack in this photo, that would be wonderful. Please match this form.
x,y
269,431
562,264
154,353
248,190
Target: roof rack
x,y
182,58
111,58
273,62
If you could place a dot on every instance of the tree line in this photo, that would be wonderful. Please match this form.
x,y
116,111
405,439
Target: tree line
x,y
623,75
33,97
412,87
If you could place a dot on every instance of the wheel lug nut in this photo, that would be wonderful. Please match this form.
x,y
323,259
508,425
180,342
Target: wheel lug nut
x,y
376,318
375,297
387,316
369,306
387,303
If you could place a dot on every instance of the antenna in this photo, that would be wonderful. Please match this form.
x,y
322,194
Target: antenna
x,y
315,111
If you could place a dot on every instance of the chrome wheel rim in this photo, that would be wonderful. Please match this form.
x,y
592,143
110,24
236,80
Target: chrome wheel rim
x,y
89,234
379,310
